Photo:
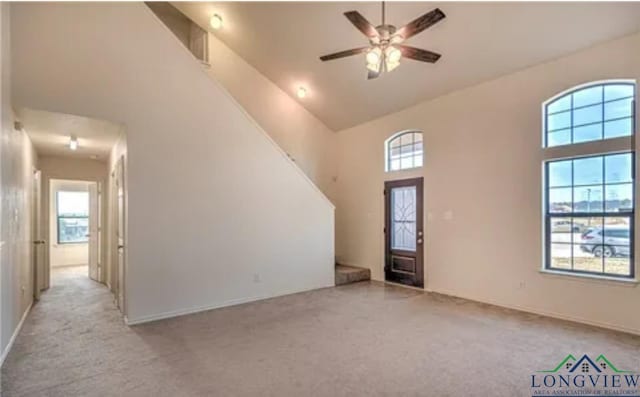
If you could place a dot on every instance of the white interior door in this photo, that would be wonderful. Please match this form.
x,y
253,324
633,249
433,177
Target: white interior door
x,y
94,224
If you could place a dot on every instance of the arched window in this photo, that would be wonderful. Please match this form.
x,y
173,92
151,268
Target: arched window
x,y
590,113
404,151
589,189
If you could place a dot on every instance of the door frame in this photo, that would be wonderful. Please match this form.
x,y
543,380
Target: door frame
x,y
118,222
52,215
418,182
39,244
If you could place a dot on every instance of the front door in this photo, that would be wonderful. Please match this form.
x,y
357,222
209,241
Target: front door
x,y
404,235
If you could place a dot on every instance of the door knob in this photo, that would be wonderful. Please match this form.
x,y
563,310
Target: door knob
x,y
419,241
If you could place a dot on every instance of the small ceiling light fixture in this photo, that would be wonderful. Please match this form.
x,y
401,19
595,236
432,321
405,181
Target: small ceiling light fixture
x,y
301,92
216,21
73,143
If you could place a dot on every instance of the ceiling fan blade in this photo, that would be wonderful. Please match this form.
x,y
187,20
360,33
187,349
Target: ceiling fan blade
x,y
418,25
342,54
372,74
361,23
418,54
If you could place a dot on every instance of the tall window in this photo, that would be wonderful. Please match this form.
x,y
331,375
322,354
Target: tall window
x,y
589,192
73,217
404,151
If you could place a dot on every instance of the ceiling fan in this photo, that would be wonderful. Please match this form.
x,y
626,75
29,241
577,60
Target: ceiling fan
x,y
385,42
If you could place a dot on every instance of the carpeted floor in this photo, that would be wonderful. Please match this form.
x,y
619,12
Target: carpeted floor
x,y
364,339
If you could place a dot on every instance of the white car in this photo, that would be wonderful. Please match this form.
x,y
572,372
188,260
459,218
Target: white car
x,y
607,242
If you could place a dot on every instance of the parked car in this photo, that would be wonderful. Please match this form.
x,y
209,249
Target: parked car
x,y
607,242
564,226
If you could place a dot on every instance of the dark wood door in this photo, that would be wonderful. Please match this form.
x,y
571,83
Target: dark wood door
x,y
404,233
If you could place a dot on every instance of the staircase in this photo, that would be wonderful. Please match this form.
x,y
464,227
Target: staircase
x,y
351,274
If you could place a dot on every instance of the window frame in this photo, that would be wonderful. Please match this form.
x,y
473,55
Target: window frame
x,y
571,91
60,217
548,216
577,150
387,150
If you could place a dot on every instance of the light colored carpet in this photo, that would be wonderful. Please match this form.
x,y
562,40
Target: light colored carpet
x,y
364,339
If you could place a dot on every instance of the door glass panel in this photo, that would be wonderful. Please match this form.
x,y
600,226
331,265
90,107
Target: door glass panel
x,y
403,218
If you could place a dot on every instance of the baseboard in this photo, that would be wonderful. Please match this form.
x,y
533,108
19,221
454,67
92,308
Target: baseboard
x,y
544,313
6,351
219,305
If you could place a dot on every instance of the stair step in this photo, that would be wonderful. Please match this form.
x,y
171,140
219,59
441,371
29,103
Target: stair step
x,y
351,274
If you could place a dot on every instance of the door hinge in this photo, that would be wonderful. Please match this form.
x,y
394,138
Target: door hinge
x,y
384,230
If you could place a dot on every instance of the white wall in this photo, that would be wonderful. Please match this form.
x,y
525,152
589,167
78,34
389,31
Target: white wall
x,y
17,160
54,167
65,254
217,214
483,164
305,138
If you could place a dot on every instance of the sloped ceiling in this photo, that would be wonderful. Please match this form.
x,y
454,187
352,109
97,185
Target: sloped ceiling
x,y
478,42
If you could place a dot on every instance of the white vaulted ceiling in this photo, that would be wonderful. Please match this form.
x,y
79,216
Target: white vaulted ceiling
x,y
478,42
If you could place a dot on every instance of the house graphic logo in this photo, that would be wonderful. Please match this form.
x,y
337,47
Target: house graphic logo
x,y
585,377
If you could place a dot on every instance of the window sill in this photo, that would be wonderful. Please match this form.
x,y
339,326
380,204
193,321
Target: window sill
x,y
630,282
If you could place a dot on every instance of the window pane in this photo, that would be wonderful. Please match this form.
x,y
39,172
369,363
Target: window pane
x,y
559,104
403,203
587,198
592,132
587,96
73,230
560,173
560,256
618,265
618,168
587,171
619,197
623,127
562,230
557,138
618,109
558,121
560,200
616,91
591,114
73,203
586,262
617,233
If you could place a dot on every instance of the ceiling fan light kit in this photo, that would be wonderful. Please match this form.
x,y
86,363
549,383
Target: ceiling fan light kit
x,y
385,48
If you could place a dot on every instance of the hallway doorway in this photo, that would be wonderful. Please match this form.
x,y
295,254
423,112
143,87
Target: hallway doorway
x,y
74,230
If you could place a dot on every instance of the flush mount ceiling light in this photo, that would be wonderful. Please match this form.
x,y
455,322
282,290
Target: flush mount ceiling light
x,y
385,42
301,92
216,21
73,143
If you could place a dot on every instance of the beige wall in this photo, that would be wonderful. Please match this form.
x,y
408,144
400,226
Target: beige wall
x,y
53,167
65,254
17,162
483,167
309,142
217,214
